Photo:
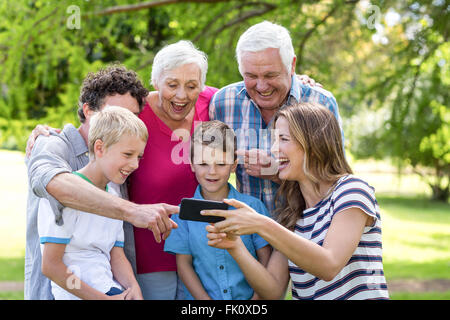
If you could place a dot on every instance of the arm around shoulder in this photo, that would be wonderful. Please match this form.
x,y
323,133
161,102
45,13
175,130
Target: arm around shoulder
x,y
74,192
49,157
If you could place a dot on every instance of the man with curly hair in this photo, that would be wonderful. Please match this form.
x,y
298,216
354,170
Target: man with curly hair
x,y
111,81
55,156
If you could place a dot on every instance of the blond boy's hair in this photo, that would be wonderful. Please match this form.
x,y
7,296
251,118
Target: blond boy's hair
x,y
110,124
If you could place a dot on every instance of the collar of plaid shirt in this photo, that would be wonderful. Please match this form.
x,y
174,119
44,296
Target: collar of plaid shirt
x,y
294,96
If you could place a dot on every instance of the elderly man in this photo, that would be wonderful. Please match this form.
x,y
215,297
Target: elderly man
x,y
53,159
266,60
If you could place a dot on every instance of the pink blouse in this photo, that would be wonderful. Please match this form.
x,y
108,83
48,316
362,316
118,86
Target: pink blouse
x,y
164,176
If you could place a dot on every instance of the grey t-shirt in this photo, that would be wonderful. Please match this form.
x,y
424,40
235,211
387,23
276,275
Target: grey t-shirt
x,y
58,153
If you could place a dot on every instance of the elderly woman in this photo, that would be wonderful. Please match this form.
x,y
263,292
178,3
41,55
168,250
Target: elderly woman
x,y
164,174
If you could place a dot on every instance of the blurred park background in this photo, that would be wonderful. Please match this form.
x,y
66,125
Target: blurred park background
x,y
386,62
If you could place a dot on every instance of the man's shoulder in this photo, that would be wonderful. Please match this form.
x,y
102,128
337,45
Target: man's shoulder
x,y
323,91
55,143
307,91
224,101
230,90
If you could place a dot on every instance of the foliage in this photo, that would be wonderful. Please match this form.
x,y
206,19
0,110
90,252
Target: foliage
x,y
408,90
397,69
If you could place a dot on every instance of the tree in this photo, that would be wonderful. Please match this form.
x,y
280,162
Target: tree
x,y
411,87
396,68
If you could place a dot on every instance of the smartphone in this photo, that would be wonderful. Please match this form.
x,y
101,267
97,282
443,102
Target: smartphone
x,y
190,210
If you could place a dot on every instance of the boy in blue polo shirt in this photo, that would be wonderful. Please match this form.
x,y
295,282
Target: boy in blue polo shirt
x,y
207,272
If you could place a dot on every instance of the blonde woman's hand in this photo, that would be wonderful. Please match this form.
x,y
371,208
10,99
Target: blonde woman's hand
x,y
221,240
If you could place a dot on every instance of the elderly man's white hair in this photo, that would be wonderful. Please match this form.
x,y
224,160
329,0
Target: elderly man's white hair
x,y
176,55
266,35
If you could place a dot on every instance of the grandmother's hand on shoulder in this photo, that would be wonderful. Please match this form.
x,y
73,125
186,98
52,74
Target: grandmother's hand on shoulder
x,y
40,129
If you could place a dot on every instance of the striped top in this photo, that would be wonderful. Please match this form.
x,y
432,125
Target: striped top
x,y
363,276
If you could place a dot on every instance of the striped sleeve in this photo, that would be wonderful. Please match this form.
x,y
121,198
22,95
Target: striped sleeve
x,y
356,193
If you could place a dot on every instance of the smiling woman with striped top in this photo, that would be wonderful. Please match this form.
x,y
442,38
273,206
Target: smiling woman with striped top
x,y
327,237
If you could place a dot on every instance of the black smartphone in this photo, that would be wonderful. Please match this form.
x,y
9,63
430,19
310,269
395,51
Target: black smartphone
x,y
190,210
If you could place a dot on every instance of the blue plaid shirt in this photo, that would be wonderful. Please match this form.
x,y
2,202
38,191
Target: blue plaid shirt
x,y
233,105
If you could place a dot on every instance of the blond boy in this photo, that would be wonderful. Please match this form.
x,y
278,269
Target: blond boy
x,y
84,257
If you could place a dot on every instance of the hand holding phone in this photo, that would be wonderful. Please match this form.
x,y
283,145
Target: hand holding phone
x,y
190,210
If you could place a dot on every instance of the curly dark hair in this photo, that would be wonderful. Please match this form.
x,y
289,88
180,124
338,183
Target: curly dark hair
x,y
114,79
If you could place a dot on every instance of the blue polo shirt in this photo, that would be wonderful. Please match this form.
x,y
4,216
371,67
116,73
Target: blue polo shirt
x,y
219,273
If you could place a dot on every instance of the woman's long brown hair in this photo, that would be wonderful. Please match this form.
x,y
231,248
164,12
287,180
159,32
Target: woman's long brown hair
x,y
317,132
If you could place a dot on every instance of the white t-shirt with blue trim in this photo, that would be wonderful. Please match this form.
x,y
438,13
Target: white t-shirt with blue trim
x,y
89,239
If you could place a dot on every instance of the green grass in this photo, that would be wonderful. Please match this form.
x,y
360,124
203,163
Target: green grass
x,y
416,238
13,201
11,269
421,296
416,231
11,295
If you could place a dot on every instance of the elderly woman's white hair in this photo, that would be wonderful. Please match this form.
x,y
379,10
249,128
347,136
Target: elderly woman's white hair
x,y
176,55
266,35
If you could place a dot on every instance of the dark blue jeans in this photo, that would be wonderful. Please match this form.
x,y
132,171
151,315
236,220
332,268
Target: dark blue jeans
x,y
113,291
